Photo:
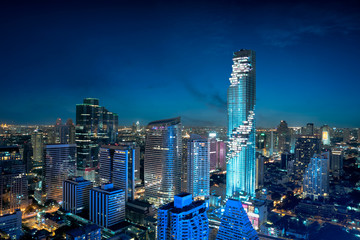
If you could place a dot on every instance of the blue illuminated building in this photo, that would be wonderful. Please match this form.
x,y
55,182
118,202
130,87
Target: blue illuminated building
x,y
198,166
183,219
76,194
316,177
162,164
235,223
117,166
107,205
241,166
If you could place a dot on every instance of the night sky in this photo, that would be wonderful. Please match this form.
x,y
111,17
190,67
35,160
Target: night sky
x,y
149,61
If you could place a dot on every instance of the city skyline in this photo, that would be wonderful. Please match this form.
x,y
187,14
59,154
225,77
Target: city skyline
x,y
186,64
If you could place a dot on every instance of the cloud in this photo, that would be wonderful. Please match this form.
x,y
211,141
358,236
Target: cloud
x,y
211,99
304,20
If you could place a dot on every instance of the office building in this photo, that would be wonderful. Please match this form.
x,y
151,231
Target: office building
x,y
260,171
60,162
283,133
309,129
286,157
305,148
95,126
325,135
235,223
336,162
76,194
87,232
316,178
107,205
217,153
183,219
13,180
37,141
198,167
162,165
117,166
241,167
64,133
11,224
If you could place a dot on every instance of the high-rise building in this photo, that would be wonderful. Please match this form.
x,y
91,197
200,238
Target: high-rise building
x,y
336,162
107,205
260,171
212,152
235,223
241,165
309,130
217,153
184,162
117,166
60,162
10,224
325,135
76,194
316,178
286,157
284,137
13,180
162,165
64,133
198,167
95,126
183,219
305,148
37,141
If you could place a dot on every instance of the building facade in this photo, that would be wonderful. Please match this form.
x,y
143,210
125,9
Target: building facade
x,y
235,223
11,224
117,166
316,178
60,160
241,166
76,194
13,180
107,205
198,167
95,126
162,164
183,219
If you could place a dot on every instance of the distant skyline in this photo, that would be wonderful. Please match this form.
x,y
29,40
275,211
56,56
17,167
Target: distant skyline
x,y
156,60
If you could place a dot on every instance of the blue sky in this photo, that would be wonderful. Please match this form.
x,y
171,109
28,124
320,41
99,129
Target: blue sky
x,y
160,59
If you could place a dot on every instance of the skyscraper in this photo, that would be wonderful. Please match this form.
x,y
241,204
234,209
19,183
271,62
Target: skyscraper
x,y
59,165
309,130
76,194
107,205
198,167
183,219
37,142
325,135
305,148
64,133
95,126
235,223
13,180
283,137
241,165
117,166
336,162
162,165
316,178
